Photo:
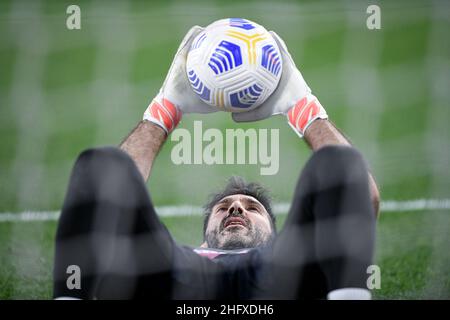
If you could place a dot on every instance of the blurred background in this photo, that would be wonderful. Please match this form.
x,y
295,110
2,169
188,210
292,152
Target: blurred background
x,y
62,91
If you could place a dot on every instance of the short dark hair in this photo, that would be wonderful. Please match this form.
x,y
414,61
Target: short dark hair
x,y
238,185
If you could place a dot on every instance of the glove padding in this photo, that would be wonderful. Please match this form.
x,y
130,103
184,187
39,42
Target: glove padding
x,y
304,113
176,95
292,92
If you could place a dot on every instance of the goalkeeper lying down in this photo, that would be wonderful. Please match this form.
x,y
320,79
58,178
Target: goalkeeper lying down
x,y
111,231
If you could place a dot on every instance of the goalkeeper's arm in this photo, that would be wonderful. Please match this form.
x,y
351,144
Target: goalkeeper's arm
x,y
165,111
322,132
143,144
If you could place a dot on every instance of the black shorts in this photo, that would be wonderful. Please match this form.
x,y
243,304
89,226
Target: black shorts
x,y
111,231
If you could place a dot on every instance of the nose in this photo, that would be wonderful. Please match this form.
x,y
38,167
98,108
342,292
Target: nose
x,y
236,208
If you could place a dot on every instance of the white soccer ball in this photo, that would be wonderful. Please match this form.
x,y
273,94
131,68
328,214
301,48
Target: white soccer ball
x,y
234,64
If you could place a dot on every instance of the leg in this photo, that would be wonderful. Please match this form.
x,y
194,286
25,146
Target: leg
x,y
328,239
108,228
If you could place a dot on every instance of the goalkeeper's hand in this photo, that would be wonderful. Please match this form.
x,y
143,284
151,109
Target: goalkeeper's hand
x,y
292,98
176,95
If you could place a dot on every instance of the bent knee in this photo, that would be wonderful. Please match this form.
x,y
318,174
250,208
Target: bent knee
x,y
111,175
103,158
340,163
103,154
105,162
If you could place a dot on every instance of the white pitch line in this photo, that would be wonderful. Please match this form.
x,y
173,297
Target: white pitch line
x,y
415,205
279,208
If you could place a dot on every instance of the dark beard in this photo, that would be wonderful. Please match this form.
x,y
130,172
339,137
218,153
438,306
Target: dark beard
x,y
235,241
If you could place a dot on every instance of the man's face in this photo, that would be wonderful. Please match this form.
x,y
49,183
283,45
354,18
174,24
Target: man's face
x,y
238,221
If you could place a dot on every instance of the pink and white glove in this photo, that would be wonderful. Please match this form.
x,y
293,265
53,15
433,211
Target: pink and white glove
x,y
306,111
292,98
176,96
163,113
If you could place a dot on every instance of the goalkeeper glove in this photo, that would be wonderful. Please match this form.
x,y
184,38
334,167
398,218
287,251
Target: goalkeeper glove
x,y
292,98
176,95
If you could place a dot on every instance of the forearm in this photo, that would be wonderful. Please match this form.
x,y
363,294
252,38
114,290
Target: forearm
x,y
321,133
143,144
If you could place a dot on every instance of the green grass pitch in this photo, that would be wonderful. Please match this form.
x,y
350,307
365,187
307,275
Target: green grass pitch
x,y
64,91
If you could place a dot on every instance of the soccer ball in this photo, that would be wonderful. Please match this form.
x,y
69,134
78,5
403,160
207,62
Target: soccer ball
x,y
234,64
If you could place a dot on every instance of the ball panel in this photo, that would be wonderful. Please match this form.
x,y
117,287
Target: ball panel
x,y
226,57
246,98
271,59
198,41
199,88
241,23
